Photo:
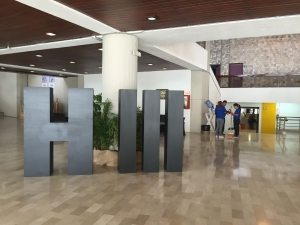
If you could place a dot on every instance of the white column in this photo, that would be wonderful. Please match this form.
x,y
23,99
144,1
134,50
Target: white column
x,y
199,94
119,65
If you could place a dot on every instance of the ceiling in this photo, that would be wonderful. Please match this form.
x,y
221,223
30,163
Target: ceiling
x,y
130,15
21,25
87,58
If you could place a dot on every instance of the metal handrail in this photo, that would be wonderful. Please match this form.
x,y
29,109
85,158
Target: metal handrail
x,y
287,123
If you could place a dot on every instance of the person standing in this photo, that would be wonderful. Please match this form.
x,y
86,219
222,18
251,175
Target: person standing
x,y
224,103
251,121
236,119
220,112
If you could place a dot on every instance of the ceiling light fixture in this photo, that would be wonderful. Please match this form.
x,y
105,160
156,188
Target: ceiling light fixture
x,y
72,62
164,68
50,34
152,18
2,68
99,67
39,56
100,49
150,64
32,65
64,70
85,72
31,71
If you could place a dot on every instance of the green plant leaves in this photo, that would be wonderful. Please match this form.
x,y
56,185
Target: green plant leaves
x,y
105,124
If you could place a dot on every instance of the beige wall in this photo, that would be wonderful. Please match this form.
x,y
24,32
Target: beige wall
x,y
8,93
199,94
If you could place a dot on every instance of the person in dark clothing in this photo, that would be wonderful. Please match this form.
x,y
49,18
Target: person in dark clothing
x,y
251,121
236,119
224,103
220,112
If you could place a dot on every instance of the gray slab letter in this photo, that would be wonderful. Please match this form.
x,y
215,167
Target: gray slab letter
x,y
174,131
127,131
40,132
151,130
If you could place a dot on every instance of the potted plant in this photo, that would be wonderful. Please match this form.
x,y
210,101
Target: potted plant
x,y
105,133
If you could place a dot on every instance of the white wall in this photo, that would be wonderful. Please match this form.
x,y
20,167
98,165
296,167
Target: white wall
x,y
282,95
199,94
172,80
288,109
189,55
93,81
60,91
8,94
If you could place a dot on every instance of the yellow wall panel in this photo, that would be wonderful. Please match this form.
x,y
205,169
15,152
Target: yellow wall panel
x,y
268,123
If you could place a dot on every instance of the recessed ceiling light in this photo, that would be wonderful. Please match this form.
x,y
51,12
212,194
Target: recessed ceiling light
x,y
64,70
99,67
72,62
50,34
39,56
164,68
150,64
152,18
2,68
85,72
32,65
31,71
100,49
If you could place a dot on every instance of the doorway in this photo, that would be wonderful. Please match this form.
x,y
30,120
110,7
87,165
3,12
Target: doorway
x,y
216,68
250,119
235,70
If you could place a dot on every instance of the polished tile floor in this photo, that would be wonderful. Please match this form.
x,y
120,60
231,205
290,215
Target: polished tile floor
x,y
254,180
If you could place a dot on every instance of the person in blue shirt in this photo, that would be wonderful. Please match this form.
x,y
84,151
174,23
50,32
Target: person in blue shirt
x,y
220,112
224,103
236,119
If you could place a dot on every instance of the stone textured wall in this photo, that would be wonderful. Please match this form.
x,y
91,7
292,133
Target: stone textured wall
x,y
276,55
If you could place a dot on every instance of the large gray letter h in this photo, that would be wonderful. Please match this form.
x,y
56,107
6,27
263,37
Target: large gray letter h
x,y
40,132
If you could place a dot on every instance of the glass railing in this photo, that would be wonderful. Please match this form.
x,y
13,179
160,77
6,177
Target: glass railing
x,y
264,80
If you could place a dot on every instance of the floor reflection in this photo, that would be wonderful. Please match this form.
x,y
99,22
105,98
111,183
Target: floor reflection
x,y
253,180
227,156
236,153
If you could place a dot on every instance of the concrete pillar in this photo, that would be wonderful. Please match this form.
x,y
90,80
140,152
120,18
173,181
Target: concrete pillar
x,y
119,65
199,94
